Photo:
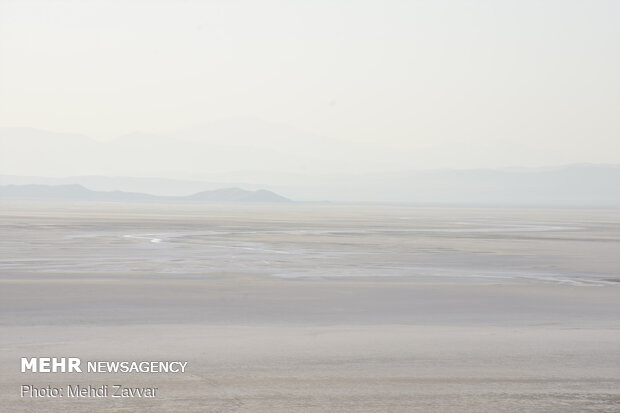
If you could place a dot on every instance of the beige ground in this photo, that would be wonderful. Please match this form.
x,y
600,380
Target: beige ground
x,y
355,343
462,357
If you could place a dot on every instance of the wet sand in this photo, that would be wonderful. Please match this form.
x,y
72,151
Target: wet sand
x,y
541,333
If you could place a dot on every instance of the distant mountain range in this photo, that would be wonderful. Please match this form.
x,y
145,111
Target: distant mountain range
x,y
252,155
572,186
79,193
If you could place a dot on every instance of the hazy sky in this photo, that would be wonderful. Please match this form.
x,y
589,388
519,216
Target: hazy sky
x,y
454,83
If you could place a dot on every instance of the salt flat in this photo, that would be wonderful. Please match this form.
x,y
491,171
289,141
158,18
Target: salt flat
x,y
316,308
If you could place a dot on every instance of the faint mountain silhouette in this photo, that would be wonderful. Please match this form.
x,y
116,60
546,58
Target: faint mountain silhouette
x,y
79,193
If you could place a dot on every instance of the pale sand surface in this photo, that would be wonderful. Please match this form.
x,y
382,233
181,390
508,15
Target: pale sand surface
x,y
350,314
335,368
322,346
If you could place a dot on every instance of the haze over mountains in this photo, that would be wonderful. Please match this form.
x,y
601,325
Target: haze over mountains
x,y
164,166
238,149
201,153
